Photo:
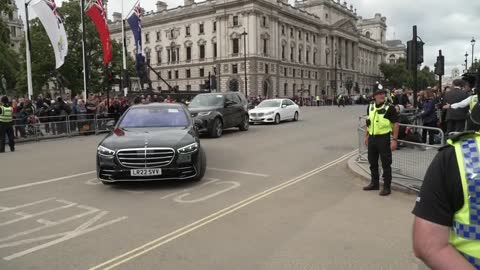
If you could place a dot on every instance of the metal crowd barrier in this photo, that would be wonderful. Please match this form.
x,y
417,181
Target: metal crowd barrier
x,y
412,159
40,128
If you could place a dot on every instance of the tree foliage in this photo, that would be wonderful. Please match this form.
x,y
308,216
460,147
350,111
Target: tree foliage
x,y
397,76
8,57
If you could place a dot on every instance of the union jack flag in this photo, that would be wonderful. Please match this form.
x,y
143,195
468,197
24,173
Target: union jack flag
x,y
51,4
138,12
99,4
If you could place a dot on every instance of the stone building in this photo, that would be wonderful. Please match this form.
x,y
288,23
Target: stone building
x,y
312,48
395,50
15,26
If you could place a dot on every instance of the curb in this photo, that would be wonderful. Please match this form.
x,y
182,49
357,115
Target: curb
x,y
356,169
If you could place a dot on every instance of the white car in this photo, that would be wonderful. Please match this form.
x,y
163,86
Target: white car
x,y
274,111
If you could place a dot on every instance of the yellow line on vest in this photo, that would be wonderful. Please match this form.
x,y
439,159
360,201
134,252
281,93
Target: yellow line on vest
x,y
130,255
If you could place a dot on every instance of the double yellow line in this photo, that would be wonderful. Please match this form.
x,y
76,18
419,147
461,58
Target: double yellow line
x,y
130,255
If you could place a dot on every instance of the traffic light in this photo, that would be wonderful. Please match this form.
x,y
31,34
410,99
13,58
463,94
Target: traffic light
x,y
414,60
440,65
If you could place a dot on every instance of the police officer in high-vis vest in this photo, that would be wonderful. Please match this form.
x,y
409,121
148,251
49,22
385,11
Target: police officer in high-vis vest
x,y
469,102
381,138
6,125
446,232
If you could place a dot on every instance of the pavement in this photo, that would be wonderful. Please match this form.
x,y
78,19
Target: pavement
x,y
275,197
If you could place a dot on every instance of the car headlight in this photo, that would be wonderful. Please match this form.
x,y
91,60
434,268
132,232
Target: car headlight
x,y
188,149
204,113
105,152
269,113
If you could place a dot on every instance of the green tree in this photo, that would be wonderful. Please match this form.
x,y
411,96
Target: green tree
x,y
8,57
43,60
397,76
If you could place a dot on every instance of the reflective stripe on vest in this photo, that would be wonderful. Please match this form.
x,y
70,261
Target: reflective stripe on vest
x,y
379,125
465,233
473,102
7,114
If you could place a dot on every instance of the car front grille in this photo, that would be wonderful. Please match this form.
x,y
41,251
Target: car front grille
x,y
145,157
257,114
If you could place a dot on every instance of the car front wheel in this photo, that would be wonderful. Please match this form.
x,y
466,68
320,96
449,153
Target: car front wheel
x,y
217,128
201,165
245,124
295,117
277,119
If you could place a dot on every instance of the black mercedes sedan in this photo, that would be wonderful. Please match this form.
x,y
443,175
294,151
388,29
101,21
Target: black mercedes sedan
x,y
152,142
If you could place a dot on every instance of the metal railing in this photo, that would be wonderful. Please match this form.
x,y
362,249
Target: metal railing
x,y
413,156
35,128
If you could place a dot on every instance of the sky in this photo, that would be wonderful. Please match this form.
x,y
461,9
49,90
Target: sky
x,y
443,25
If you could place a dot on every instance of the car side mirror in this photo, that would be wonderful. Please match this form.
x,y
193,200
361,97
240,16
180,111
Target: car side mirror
x,y
110,125
284,106
228,104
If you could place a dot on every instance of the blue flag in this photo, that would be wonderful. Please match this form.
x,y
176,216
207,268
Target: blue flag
x,y
136,25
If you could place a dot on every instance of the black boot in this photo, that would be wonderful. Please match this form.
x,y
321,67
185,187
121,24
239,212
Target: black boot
x,y
372,186
385,191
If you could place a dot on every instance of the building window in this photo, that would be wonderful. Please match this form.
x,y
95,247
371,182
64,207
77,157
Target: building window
x,y
285,71
326,40
309,74
159,35
202,72
187,30
294,89
266,68
283,52
264,21
159,57
294,71
174,55
188,73
158,76
214,50
299,34
291,54
234,68
10,16
235,20
367,34
307,57
214,26
265,47
201,29
314,38
283,30
300,55
189,87
314,58
301,73
326,16
169,57
291,32
169,75
306,36
176,74
147,37
316,75
189,53
236,42
285,88
202,51
147,57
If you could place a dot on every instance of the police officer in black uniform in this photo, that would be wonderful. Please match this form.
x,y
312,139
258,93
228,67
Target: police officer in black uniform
x,y
6,125
446,232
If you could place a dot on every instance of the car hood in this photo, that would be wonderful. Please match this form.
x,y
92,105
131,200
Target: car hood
x,y
150,137
264,110
203,109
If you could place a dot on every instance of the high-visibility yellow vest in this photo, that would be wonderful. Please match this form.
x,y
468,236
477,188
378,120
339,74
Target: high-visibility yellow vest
x,y
473,102
7,114
465,233
379,125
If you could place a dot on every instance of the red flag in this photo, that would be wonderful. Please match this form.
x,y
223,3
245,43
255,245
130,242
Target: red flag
x,y
96,12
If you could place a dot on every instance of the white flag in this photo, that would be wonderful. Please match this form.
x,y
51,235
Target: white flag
x,y
52,22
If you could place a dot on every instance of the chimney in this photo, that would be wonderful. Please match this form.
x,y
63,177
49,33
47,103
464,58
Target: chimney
x,y
188,2
117,17
161,6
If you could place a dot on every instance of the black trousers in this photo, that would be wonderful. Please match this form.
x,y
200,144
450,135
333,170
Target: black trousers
x,y
379,147
431,133
455,126
6,129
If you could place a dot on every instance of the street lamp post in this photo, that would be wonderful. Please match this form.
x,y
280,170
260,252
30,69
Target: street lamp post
x,y
466,61
473,48
336,76
244,34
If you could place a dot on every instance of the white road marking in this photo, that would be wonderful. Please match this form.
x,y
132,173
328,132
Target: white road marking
x,y
238,172
205,182
93,181
130,255
5,209
27,216
180,198
44,181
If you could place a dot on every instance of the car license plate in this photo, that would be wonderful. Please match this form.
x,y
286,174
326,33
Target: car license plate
x,y
146,172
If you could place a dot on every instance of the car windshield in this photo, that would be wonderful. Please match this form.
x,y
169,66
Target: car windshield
x,y
154,117
207,101
269,104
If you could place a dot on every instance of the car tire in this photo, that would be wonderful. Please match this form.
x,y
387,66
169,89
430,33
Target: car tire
x,y
201,165
277,119
245,125
217,128
295,117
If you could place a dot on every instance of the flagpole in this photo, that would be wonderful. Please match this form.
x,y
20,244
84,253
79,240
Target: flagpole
x,y
82,10
125,87
27,48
